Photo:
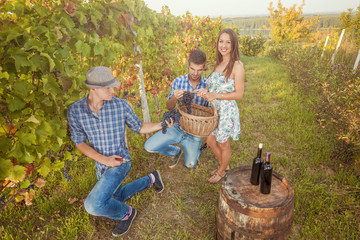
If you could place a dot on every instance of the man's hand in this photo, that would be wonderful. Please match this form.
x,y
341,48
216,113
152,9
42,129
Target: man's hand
x,y
114,161
169,125
178,93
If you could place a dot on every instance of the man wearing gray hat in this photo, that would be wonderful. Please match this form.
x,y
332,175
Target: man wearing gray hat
x,y
97,125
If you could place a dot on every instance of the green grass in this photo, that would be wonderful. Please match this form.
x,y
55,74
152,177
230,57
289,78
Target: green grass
x,y
272,112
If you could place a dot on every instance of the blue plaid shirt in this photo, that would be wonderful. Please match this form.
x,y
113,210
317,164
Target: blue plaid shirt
x,y
105,131
183,82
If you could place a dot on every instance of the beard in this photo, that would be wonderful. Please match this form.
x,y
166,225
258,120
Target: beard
x,y
197,79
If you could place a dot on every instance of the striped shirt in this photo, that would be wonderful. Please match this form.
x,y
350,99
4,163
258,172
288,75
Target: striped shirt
x,y
183,82
105,130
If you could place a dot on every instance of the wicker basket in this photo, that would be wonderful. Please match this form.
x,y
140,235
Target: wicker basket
x,y
201,122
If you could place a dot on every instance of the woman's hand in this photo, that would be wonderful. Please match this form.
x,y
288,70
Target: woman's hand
x,y
210,96
201,92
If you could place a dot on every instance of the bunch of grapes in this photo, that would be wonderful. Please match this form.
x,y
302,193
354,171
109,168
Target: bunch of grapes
x,y
204,146
174,114
186,100
66,174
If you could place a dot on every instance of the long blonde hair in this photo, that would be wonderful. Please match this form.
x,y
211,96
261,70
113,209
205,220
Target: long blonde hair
x,y
235,54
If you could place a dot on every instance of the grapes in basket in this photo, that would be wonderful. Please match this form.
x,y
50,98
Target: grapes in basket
x,y
174,114
186,100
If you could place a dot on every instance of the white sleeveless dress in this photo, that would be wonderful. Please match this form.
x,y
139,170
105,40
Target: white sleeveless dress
x,y
229,118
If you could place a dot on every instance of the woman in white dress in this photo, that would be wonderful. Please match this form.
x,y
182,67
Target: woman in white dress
x,y
225,85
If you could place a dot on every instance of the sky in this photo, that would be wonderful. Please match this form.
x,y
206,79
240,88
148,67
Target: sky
x,y
244,8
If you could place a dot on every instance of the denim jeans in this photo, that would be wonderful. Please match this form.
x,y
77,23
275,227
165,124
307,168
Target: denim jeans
x,y
108,196
162,143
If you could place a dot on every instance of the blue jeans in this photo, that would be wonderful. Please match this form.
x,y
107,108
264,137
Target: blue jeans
x,y
108,196
162,143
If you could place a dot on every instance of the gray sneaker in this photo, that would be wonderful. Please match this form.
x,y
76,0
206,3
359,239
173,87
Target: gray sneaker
x,y
175,159
123,226
158,184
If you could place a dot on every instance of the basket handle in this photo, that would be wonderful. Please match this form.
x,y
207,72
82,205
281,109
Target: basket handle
x,y
215,110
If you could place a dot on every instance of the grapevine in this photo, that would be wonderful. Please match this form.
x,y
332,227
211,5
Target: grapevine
x,y
44,56
174,114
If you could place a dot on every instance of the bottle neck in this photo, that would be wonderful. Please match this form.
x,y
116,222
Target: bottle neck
x,y
259,153
267,158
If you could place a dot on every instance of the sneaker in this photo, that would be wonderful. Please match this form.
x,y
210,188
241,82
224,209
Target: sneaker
x,y
158,184
175,159
123,226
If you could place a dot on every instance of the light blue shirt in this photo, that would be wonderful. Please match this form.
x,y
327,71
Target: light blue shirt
x,y
105,130
183,82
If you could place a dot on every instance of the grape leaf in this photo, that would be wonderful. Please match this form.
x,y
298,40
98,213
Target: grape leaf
x,y
27,158
45,167
40,183
22,87
33,119
51,61
25,184
58,164
51,86
34,44
26,139
21,60
5,144
99,49
16,173
35,62
5,166
29,197
12,35
17,151
83,48
15,103
43,130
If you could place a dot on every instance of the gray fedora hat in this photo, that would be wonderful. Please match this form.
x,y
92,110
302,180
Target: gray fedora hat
x,y
100,77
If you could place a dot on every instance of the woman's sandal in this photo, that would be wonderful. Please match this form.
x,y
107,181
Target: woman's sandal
x,y
214,171
216,177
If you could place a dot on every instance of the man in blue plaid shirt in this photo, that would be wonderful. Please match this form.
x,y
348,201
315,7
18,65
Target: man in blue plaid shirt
x,y
97,125
163,143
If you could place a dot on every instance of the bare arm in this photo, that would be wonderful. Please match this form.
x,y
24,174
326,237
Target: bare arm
x,y
91,153
152,127
171,103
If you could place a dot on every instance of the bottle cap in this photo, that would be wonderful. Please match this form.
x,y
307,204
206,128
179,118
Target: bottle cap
x,y
260,145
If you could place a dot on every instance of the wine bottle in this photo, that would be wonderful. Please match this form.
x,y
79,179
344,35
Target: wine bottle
x,y
266,175
256,167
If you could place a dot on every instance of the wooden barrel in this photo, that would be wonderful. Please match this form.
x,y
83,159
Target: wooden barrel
x,y
243,212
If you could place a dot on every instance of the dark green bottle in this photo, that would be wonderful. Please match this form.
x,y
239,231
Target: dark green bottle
x,y
266,175
256,167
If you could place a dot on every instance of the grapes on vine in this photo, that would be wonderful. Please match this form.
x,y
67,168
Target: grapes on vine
x,y
174,114
66,174
186,100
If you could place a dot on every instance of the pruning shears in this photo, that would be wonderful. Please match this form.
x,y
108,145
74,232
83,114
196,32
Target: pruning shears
x,y
122,160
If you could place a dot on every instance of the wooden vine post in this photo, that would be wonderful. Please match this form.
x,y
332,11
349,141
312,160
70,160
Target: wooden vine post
x,y
142,92
326,42
357,61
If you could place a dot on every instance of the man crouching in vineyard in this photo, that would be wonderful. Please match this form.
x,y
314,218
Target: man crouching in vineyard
x,y
163,142
100,118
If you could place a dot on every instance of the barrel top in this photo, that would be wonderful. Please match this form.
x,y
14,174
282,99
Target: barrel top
x,y
238,188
